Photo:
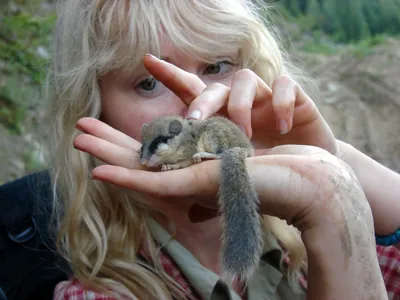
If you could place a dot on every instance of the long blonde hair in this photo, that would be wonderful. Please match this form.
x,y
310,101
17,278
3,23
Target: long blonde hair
x,y
101,227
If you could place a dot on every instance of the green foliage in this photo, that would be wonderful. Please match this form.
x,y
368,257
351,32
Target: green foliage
x,y
313,47
22,64
293,6
318,44
346,21
33,161
313,12
14,102
20,37
366,46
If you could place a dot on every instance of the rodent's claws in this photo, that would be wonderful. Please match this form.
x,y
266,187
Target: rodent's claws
x,y
166,167
171,167
197,158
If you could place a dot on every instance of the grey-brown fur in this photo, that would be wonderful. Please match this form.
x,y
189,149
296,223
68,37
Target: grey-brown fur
x,y
174,142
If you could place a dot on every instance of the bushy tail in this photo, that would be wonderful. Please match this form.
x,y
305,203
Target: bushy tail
x,y
242,234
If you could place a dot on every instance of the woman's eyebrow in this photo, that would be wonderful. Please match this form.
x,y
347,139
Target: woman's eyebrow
x,y
130,74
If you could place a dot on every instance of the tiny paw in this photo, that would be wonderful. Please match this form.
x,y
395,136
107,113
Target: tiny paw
x,y
197,158
166,167
170,167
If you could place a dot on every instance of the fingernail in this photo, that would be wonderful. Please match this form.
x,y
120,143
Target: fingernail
x,y
283,126
151,56
196,115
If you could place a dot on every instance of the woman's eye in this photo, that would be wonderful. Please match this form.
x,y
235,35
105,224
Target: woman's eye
x,y
148,84
150,88
219,67
213,69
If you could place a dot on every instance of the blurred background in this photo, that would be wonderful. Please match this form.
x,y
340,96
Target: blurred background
x,y
351,50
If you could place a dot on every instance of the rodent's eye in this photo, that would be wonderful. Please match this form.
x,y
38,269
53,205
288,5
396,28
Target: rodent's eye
x,y
158,143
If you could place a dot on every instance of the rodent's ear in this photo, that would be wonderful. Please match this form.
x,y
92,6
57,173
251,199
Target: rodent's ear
x,y
175,127
144,126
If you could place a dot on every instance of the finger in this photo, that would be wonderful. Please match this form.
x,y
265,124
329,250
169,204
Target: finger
x,y
286,94
103,131
247,90
185,85
107,152
291,150
199,179
209,102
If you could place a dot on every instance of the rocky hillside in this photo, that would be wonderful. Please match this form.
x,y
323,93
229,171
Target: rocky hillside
x,y
359,96
25,34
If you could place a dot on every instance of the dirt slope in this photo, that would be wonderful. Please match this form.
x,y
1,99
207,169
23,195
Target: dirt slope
x,y
360,98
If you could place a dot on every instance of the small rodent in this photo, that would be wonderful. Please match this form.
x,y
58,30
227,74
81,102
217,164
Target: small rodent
x,y
173,142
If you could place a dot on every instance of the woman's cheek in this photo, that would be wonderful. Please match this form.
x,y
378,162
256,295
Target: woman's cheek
x,y
147,111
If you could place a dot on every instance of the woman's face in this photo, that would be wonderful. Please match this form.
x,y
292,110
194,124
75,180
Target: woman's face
x,y
129,100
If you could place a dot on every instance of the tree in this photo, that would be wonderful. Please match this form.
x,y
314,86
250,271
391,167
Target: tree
x,y
372,14
303,6
347,20
293,6
313,15
390,15
329,22
351,24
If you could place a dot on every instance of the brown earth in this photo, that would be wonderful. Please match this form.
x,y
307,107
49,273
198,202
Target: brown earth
x,y
358,96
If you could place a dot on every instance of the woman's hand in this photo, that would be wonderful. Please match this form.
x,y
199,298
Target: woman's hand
x,y
264,113
271,116
305,185
293,177
107,144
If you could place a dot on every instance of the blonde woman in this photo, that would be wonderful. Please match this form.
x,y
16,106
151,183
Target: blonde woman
x,y
132,234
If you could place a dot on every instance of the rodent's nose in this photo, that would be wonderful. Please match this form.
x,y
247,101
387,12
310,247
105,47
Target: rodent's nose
x,y
143,161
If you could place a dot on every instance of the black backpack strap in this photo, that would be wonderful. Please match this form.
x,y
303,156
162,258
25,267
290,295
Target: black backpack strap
x,y
29,264
2,295
17,204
